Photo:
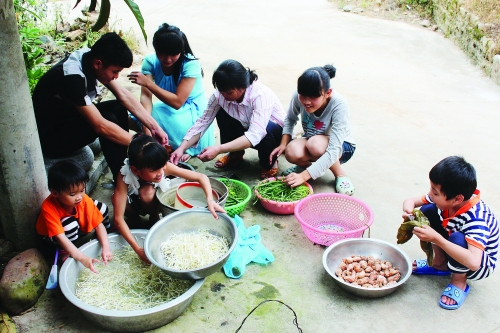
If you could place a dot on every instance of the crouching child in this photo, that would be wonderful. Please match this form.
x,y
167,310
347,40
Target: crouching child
x,y
69,217
463,230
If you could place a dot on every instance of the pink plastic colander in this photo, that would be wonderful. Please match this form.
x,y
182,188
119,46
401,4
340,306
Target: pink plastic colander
x,y
330,217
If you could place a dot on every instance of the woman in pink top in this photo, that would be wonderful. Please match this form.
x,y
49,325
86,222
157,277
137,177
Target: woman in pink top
x,y
248,114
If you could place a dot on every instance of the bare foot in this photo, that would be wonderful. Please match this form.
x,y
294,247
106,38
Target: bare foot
x,y
459,281
185,158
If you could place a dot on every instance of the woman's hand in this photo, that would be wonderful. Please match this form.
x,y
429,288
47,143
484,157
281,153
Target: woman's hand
x,y
139,79
276,152
213,206
176,155
209,153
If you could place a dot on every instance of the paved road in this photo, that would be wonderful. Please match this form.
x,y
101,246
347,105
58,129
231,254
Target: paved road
x,y
414,97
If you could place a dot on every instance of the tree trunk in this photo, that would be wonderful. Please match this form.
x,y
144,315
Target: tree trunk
x,y
23,182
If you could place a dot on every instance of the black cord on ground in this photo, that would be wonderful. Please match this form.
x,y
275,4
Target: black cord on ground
x,y
295,322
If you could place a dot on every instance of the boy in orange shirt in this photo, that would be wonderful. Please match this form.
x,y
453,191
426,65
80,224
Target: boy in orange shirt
x,y
69,216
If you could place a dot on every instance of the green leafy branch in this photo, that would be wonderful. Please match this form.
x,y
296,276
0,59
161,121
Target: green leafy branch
x,y
105,10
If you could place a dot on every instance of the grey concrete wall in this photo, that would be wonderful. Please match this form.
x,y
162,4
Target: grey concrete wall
x,y
470,34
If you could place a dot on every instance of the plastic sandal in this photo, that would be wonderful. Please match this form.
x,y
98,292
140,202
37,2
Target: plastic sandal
x,y
228,160
343,185
456,294
296,169
424,269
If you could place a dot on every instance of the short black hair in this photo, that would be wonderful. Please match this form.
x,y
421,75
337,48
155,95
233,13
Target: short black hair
x,y
455,176
315,81
112,50
145,152
65,174
232,75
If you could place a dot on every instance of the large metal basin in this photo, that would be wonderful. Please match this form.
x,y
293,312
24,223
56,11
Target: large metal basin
x,y
121,321
379,249
185,221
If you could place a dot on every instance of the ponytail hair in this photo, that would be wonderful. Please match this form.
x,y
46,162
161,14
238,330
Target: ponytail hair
x,y
170,40
315,81
145,152
232,75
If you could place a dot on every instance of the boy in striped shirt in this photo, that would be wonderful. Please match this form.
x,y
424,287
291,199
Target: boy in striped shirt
x,y
463,230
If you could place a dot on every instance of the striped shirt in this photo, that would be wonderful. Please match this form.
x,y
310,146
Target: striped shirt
x,y
479,226
259,106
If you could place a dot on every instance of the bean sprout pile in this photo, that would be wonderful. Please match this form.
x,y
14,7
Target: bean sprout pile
x,y
128,284
193,250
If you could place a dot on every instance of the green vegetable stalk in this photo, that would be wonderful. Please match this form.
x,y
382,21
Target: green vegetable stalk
x,y
233,197
405,232
278,190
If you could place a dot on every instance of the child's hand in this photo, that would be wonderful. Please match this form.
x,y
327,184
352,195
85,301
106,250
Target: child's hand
x,y
407,217
89,263
426,233
213,207
295,179
140,252
408,207
276,152
107,255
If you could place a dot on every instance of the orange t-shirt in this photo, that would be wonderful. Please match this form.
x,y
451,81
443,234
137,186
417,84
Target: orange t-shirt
x,y
49,222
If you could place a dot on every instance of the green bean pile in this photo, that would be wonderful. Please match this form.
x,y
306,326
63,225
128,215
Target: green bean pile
x,y
233,197
278,190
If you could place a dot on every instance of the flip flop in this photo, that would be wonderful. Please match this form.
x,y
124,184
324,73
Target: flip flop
x,y
456,294
343,185
424,269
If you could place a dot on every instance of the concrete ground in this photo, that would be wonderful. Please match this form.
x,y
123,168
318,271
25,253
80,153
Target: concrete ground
x,y
414,99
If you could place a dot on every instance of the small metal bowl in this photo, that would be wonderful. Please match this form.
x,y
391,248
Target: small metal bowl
x,y
333,255
114,320
185,221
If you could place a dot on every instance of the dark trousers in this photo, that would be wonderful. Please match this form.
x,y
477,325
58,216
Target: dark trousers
x,y
431,212
75,132
231,129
